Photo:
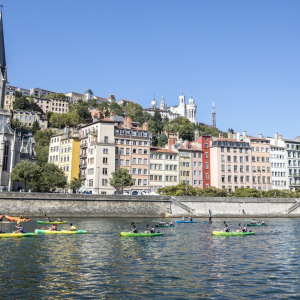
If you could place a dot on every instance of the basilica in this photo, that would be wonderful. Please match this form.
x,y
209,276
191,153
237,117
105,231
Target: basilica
x,y
188,111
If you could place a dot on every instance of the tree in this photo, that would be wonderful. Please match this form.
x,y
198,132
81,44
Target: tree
x,y
57,120
163,139
103,105
75,183
247,192
42,137
120,179
27,173
41,155
135,112
181,189
116,108
56,96
35,127
211,192
52,177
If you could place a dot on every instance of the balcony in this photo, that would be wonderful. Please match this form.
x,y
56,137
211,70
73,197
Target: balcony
x,y
83,165
83,155
84,145
93,143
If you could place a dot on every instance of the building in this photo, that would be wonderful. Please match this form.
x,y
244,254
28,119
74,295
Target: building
x,y
39,93
54,149
124,102
69,155
278,153
97,156
164,168
188,111
230,164
88,95
24,92
261,163
132,148
28,117
9,100
59,106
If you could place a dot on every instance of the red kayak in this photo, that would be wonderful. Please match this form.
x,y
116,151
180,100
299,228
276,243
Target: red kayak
x,y
16,219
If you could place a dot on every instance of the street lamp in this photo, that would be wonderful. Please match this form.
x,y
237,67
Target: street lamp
x,y
98,178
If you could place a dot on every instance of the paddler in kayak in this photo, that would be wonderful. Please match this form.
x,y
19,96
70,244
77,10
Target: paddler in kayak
x,y
262,222
22,217
244,228
134,229
190,219
209,218
1,218
20,229
170,223
182,219
226,228
53,227
48,219
59,219
253,222
161,222
72,228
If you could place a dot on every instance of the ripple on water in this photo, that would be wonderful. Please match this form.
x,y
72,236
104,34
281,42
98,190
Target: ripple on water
x,y
185,263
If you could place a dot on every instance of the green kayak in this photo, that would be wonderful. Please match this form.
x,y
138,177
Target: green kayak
x,y
45,222
231,233
164,225
257,224
139,234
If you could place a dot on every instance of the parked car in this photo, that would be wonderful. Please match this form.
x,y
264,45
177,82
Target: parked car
x,y
87,192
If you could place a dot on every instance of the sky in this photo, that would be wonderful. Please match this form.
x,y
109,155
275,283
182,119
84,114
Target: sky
x,y
241,55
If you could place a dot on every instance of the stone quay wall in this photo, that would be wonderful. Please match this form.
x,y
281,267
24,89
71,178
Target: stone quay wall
x,y
77,205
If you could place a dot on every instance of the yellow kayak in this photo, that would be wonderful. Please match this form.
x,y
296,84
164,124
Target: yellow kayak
x,y
41,231
16,235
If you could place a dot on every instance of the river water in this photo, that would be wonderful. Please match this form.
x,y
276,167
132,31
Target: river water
x,y
187,262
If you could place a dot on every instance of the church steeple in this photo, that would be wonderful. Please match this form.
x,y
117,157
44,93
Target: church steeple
x,y
213,116
3,69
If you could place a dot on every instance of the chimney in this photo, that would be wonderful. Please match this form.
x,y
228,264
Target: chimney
x,y
112,113
171,142
145,126
260,136
276,137
280,137
128,122
196,132
67,132
238,136
229,134
125,122
186,143
220,135
100,115
234,136
244,134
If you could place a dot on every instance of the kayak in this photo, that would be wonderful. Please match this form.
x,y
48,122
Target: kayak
x,y
231,233
180,221
139,234
164,225
16,235
41,231
45,222
257,224
15,219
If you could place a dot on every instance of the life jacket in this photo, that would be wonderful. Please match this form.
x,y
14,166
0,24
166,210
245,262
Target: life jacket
x,y
152,230
21,230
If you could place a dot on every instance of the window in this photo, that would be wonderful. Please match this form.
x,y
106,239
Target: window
x,y
222,158
206,154
134,171
145,182
229,168
104,171
105,159
223,178
206,165
229,158
116,162
222,168
134,160
5,156
235,159
127,151
206,176
104,182
106,150
91,183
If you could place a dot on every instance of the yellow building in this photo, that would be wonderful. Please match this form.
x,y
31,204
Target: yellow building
x,y
69,157
9,100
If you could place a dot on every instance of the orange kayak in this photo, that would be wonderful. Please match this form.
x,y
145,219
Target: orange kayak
x,y
15,219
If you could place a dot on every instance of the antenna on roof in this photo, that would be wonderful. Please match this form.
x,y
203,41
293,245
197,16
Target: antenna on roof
x,y
182,91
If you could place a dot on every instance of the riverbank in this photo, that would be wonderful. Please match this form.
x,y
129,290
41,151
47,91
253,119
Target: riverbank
x,y
76,205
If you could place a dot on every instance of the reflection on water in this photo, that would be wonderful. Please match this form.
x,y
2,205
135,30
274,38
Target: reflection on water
x,y
185,263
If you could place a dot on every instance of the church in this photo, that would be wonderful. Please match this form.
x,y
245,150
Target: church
x,y
9,141
188,111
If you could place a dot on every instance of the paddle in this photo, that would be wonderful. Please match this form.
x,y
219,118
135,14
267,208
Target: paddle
x,y
246,220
